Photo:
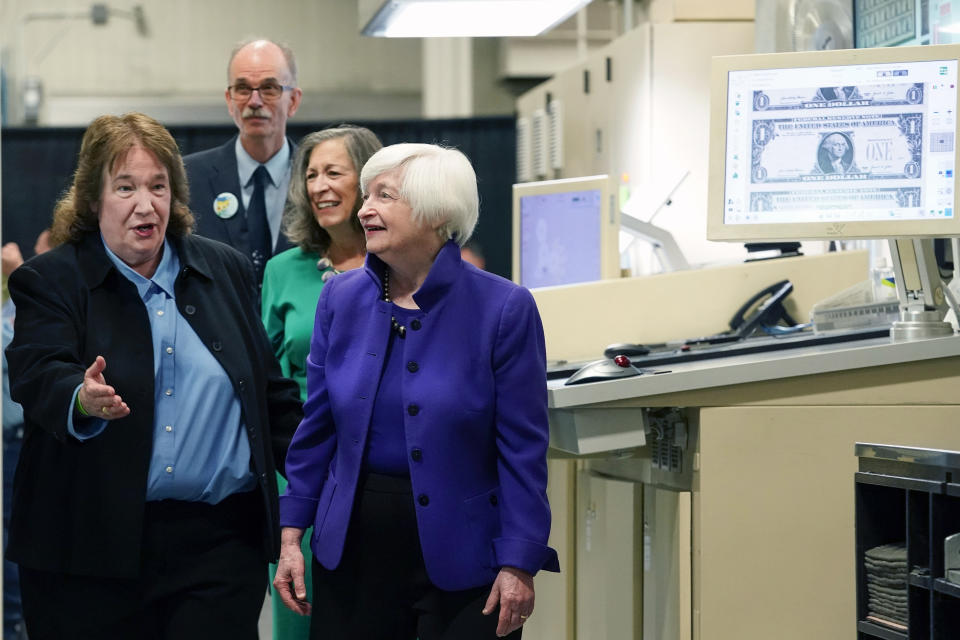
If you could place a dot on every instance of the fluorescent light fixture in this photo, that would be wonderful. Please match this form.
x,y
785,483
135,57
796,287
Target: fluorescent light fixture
x,y
468,18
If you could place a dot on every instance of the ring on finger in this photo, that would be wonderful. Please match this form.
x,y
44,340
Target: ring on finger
x,y
105,410
523,617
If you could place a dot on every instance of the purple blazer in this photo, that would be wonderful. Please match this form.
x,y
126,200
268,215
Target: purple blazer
x,y
474,390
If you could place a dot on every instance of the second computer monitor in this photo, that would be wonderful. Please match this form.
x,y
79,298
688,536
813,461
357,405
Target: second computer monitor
x,y
565,232
834,144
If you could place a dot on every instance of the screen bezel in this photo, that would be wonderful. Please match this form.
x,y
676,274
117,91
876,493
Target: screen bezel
x,y
609,221
718,230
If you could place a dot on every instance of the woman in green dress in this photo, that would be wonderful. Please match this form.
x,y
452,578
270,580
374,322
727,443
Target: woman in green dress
x,y
321,220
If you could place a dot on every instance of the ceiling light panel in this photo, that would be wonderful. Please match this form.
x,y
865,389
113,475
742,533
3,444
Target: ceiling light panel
x,y
468,18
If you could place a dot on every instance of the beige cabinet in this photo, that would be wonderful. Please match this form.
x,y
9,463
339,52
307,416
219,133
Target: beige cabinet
x,y
609,560
555,615
638,110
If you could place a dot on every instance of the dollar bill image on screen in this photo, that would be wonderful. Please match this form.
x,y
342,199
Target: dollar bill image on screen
x,y
834,144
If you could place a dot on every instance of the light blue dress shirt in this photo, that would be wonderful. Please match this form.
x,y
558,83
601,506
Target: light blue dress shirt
x,y
200,448
12,412
275,194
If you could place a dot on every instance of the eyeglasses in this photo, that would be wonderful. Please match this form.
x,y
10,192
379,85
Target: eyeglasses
x,y
268,90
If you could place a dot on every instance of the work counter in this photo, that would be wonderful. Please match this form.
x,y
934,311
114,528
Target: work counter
x,y
753,456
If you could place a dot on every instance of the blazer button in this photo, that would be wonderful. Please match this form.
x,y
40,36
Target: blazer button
x,y
190,309
413,409
217,346
415,325
417,456
413,367
493,500
423,499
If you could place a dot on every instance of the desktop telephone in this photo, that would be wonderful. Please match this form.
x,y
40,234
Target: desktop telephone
x,y
769,312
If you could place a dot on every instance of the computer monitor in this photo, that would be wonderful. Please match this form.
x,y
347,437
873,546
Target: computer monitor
x,y
858,143
565,231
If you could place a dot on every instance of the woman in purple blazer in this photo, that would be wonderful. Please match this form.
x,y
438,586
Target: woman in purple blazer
x,y
421,460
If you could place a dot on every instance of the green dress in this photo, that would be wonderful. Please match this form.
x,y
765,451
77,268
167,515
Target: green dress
x,y
291,288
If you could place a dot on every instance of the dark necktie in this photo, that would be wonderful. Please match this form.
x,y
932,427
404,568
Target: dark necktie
x,y
257,227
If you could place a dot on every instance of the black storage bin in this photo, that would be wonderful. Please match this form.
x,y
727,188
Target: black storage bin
x,y
910,496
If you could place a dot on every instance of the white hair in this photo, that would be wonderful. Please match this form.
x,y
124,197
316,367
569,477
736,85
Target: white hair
x,y
438,183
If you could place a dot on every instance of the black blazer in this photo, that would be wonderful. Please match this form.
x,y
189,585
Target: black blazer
x,y
211,173
78,506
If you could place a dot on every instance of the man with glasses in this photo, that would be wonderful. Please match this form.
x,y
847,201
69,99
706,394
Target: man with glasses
x,y
238,190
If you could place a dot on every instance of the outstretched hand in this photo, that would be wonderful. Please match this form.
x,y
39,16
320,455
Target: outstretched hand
x,y
99,399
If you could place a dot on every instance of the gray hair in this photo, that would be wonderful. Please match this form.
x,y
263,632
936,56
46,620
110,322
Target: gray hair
x,y
299,223
438,183
284,49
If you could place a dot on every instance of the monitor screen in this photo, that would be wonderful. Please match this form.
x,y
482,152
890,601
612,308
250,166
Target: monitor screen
x,y
834,144
564,232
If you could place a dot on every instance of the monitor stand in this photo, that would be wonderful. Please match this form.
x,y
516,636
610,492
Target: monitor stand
x,y
923,302
665,246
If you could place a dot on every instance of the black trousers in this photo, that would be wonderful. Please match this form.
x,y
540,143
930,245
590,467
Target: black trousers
x,y
203,576
380,590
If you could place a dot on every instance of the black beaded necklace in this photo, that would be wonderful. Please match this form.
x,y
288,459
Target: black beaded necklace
x,y
396,326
